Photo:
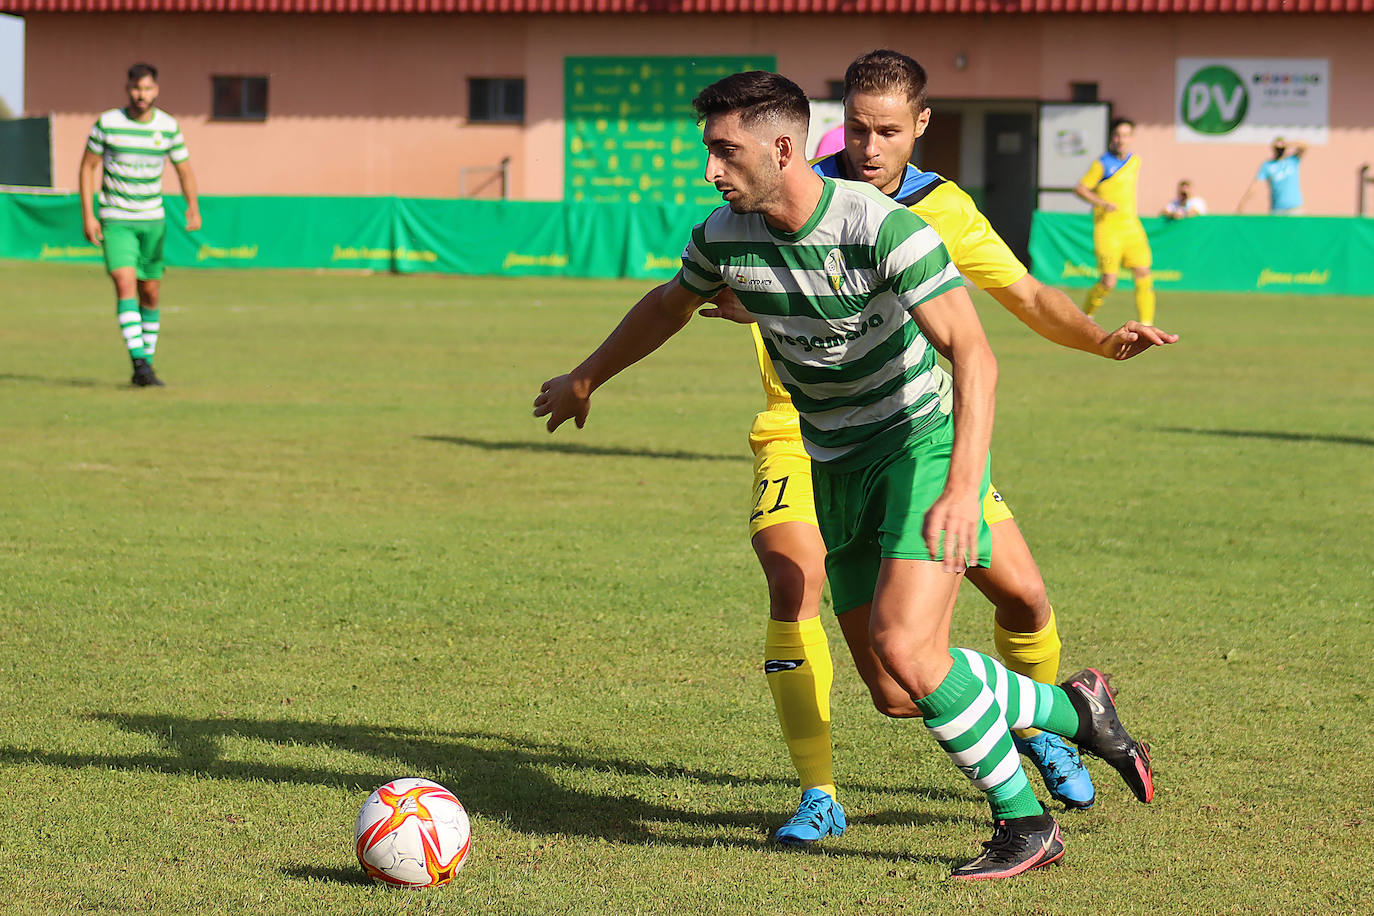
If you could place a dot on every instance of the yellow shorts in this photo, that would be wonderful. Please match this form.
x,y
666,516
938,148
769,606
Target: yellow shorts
x,y
782,486
1122,247
782,479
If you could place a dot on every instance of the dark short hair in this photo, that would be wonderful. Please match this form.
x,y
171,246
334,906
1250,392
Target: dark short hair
x,y
1117,122
757,95
885,71
138,71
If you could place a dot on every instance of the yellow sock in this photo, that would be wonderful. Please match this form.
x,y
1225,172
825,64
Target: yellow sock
x,y
797,663
1145,300
1036,655
1095,297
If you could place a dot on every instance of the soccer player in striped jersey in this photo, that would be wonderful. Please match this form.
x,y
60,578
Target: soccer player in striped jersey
x,y
129,146
854,294
885,113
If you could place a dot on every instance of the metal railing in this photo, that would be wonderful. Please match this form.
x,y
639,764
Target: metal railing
x,y
495,174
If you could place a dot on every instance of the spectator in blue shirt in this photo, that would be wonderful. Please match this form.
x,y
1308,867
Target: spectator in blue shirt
x,y
1281,174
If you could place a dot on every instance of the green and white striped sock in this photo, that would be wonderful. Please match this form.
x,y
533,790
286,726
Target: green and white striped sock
x,y
131,324
150,327
1025,703
964,717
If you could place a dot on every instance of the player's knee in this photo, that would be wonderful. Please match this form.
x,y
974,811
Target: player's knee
x,y
794,584
1108,281
1025,607
894,705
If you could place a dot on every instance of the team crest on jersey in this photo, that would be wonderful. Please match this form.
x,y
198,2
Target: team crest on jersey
x,y
834,269
157,136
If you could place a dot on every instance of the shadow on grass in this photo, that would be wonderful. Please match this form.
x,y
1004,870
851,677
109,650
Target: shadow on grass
x,y
572,448
1270,434
328,875
58,382
509,780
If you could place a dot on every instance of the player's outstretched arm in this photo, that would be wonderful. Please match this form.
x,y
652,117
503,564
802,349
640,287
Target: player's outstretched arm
x,y
951,325
1249,192
190,191
90,226
1050,313
662,312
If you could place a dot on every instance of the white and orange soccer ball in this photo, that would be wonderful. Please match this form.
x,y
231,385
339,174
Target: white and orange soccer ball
x,y
412,833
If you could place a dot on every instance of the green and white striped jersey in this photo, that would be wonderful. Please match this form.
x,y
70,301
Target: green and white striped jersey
x,y
134,154
833,302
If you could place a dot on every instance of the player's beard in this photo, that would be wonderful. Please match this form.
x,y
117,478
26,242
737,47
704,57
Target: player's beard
x,y
762,194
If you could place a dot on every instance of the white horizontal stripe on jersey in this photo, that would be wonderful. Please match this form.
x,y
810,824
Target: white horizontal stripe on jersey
x,y
890,370
862,414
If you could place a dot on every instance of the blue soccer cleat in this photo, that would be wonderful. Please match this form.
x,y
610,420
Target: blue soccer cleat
x,y
1065,775
818,816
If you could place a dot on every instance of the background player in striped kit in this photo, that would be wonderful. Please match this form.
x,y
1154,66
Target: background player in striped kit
x,y
854,294
885,113
130,146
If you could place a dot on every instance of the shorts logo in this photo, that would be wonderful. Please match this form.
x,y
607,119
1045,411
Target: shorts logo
x,y
834,269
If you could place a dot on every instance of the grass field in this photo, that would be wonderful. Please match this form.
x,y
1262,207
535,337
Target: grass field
x,y
337,549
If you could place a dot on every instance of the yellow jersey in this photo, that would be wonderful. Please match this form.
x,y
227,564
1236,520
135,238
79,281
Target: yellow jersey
x,y
1114,180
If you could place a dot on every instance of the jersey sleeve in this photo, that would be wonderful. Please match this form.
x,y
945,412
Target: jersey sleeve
x,y
977,250
177,152
911,257
1263,173
1093,176
699,273
96,141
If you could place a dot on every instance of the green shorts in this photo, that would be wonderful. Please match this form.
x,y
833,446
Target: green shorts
x,y
135,243
876,512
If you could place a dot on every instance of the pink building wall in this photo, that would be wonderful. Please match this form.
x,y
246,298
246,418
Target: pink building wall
x,y
377,104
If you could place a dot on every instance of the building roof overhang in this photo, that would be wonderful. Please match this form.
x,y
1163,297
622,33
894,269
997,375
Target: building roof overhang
x,y
715,7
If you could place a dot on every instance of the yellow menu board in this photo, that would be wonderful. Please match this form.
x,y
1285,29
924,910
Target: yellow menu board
x,y
632,135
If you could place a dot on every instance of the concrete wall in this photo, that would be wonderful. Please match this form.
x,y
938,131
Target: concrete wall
x,y
377,104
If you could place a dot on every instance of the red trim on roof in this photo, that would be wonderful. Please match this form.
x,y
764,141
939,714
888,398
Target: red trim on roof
x,y
873,7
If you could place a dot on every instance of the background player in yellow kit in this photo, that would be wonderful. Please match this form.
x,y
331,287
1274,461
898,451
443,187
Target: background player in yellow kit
x,y
885,113
1118,237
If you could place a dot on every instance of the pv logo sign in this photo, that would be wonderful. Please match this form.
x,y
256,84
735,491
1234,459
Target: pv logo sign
x,y
1214,100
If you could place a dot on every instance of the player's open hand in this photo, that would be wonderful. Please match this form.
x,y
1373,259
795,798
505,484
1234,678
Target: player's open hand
x,y
954,518
192,220
1133,338
564,398
727,305
91,227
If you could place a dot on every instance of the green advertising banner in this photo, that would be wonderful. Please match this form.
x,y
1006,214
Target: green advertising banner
x,y
1269,254
632,136
402,235
553,239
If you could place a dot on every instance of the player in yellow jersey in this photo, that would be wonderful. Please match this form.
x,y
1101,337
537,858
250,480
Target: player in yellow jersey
x,y
885,113
1118,237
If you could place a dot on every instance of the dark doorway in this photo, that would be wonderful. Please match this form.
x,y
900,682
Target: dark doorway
x,y
938,151
1009,176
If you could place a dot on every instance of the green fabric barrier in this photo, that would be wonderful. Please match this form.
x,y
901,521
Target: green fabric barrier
x,y
404,235
1271,254
644,240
